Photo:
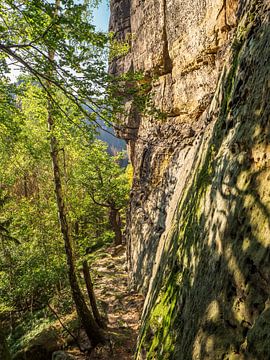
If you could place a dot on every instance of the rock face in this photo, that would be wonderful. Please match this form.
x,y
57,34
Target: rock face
x,y
199,217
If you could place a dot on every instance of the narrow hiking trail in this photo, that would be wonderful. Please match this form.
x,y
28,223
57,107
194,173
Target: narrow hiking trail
x,y
121,305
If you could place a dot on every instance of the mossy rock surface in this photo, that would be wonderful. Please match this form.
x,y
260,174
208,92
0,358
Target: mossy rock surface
x,y
211,293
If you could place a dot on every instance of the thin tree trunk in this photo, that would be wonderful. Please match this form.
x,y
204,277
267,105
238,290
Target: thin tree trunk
x,y
76,228
4,351
91,294
92,330
115,222
25,187
64,326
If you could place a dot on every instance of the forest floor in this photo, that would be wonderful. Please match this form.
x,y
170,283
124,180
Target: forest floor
x,y
121,305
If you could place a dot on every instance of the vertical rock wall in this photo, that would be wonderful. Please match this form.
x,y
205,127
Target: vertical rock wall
x,y
180,46
198,229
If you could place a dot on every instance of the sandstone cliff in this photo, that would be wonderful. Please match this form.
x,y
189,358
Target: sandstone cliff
x,y
199,218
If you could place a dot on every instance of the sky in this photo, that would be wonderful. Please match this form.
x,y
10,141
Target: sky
x,y
101,16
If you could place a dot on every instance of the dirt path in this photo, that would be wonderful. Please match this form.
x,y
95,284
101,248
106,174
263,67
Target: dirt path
x,y
122,306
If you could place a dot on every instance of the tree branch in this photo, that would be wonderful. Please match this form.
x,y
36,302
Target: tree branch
x,y
64,326
96,202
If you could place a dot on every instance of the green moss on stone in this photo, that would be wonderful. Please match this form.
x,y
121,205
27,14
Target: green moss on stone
x,y
244,245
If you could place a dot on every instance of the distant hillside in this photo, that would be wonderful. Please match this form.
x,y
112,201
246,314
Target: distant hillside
x,y
115,145
107,135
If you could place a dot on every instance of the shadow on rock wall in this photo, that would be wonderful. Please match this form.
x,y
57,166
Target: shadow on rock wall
x,y
214,298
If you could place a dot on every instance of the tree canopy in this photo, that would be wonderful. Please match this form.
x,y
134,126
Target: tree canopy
x,y
29,29
49,117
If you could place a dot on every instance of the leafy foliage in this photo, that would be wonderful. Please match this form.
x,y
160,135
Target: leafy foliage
x,y
30,238
74,88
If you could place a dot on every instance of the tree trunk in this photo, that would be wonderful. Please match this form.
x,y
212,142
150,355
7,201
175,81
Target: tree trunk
x,y
4,351
25,187
115,222
91,294
92,330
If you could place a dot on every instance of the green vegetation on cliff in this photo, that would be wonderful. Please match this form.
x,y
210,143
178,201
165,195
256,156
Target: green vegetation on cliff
x,y
210,299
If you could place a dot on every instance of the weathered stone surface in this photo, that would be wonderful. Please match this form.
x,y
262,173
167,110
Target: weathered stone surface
x,y
198,229
120,26
120,18
181,46
62,355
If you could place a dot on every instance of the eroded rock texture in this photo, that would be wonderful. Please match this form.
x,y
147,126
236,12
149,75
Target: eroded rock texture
x,y
199,223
